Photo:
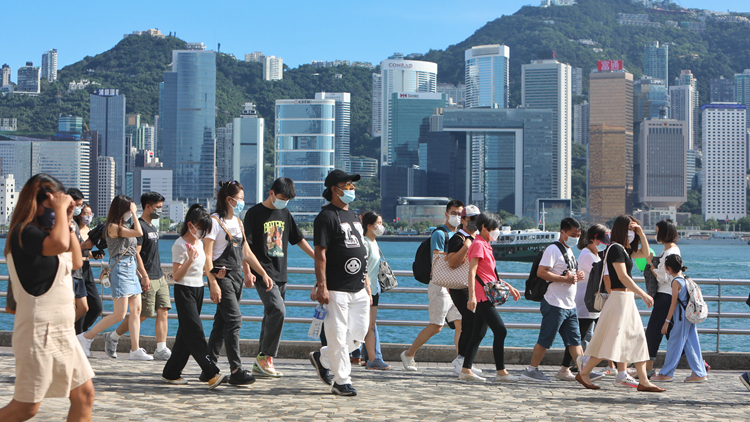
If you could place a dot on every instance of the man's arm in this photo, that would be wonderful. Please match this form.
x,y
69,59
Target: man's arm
x,y
320,274
306,248
142,274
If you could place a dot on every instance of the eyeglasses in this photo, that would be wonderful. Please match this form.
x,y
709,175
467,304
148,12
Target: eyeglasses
x,y
237,200
458,213
348,186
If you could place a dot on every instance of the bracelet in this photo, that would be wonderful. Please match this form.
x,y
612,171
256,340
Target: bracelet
x,y
668,320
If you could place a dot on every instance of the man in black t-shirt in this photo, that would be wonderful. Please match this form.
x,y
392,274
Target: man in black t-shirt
x,y
269,229
155,299
342,283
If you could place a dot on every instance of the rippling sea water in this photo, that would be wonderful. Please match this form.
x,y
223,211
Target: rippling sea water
x,y
731,262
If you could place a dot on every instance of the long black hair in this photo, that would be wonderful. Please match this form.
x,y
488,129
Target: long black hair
x,y
228,189
198,217
368,218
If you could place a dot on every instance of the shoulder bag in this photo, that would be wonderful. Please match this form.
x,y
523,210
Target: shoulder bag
x,y
497,292
385,275
445,276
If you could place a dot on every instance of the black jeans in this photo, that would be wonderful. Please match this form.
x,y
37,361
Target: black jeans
x,y
583,324
274,313
662,302
190,339
460,298
93,299
228,320
487,316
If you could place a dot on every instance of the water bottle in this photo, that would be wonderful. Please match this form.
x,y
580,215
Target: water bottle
x,y
317,323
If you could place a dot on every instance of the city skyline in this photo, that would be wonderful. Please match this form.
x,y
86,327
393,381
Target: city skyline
x,y
436,28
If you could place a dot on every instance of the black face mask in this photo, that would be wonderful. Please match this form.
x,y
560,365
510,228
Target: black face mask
x,y
471,226
156,214
47,219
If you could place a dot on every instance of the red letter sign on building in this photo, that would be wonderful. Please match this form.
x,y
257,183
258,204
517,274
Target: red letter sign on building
x,y
609,65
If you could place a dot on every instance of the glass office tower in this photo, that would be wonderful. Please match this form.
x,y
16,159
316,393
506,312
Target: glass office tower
x,y
407,113
486,74
247,132
107,116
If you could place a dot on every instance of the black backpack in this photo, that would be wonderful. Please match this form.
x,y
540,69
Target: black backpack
x,y
422,266
536,287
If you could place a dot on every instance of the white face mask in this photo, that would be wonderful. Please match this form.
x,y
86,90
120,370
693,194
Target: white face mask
x,y
631,236
379,230
454,220
127,216
494,235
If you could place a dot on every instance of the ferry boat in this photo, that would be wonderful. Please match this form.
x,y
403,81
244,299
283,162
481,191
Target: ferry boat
x,y
715,238
521,245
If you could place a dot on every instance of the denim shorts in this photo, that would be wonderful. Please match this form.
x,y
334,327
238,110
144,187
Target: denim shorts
x,y
554,320
124,278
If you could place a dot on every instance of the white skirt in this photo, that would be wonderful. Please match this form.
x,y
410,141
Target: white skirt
x,y
618,334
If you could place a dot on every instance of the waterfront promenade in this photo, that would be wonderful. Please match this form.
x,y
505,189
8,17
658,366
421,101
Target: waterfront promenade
x,y
133,391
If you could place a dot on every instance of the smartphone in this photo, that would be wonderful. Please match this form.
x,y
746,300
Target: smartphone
x,y
215,270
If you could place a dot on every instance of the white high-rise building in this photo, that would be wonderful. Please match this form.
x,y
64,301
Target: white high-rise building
x,y
377,104
49,65
148,137
343,126
682,107
547,84
724,161
107,173
153,180
486,72
4,75
273,68
8,198
247,135
403,76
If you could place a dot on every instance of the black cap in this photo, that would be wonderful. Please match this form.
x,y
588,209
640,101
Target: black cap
x,y
337,176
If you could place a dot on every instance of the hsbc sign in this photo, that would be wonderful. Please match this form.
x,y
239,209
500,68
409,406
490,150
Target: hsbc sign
x,y
608,65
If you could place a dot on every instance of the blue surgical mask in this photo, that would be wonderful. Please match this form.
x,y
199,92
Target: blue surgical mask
x,y
239,207
601,247
572,242
280,204
349,196
77,211
47,219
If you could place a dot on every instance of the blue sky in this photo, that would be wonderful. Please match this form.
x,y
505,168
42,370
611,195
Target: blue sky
x,y
298,31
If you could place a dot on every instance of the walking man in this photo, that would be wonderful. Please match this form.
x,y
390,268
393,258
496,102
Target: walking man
x,y
342,284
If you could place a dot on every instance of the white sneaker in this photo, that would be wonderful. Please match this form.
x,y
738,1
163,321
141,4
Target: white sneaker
x,y
507,378
163,354
458,363
471,377
408,362
85,344
564,374
627,382
140,354
110,345
475,370
581,361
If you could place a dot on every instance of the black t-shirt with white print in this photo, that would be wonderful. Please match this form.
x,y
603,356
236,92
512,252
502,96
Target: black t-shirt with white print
x,y
269,233
340,232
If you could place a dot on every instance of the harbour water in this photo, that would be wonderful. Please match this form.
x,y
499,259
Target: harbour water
x,y
704,262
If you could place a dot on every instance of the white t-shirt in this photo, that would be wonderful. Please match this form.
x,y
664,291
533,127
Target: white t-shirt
x,y
561,295
194,275
665,280
219,236
586,260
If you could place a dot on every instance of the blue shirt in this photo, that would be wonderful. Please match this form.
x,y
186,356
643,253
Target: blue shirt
x,y
439,239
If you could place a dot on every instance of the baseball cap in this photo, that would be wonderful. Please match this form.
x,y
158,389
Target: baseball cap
x,y
470,211
334,178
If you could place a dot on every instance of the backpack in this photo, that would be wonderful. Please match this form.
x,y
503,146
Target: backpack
x,y
595,286
422,266
536,287
696,309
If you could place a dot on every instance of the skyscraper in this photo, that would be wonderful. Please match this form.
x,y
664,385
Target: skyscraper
x,y
92,137
686,78
273,68
405,76
486,73
5,75
577,81
343,126
545,84
656,61
722,90
8,198
49,65
581,123
742,91
610,161
247,132
377,104
187,110
724,161
226,153
407,113
683,107
305,132
663,156
106,185
28,79
107,117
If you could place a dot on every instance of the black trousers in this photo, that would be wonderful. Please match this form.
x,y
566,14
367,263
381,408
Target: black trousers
x,y
93,299
228,320
190,339
662,302
583,324
460,298
487,316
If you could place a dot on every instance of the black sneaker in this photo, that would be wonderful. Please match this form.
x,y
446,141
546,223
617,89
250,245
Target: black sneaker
x,y
323,373
344,390
241,377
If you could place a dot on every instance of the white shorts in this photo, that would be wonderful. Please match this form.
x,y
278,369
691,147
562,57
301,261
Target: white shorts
x,y
441,305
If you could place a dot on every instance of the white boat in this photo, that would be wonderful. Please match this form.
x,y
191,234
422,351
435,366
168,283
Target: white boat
x,y
521,245
716,238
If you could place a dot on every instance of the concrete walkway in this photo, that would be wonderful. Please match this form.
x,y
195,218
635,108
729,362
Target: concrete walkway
x,y
134,391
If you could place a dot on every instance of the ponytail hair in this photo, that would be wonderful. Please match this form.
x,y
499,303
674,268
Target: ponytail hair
x,y
595,232
674,263
228,189
198,217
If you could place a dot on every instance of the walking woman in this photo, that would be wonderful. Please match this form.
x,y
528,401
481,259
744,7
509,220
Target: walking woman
x,y
619,335
41,252
482,265
457,252
93,298
188,260
126,289
666,233
684,334
228,256
373,225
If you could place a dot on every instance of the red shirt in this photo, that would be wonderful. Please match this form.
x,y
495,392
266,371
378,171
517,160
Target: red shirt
x,y
486,268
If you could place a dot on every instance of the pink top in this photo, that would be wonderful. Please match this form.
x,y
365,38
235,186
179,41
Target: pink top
x,y
486,268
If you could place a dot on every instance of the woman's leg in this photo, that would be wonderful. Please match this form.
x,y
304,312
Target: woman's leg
x,y
693,353
17,411
493,320
590,365
460,297
662,302
118,314
81,402
370,336
642,376
675,346
134,324
477,335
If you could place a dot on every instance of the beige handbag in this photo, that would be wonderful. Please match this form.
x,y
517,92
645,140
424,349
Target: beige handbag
x,y
445,276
